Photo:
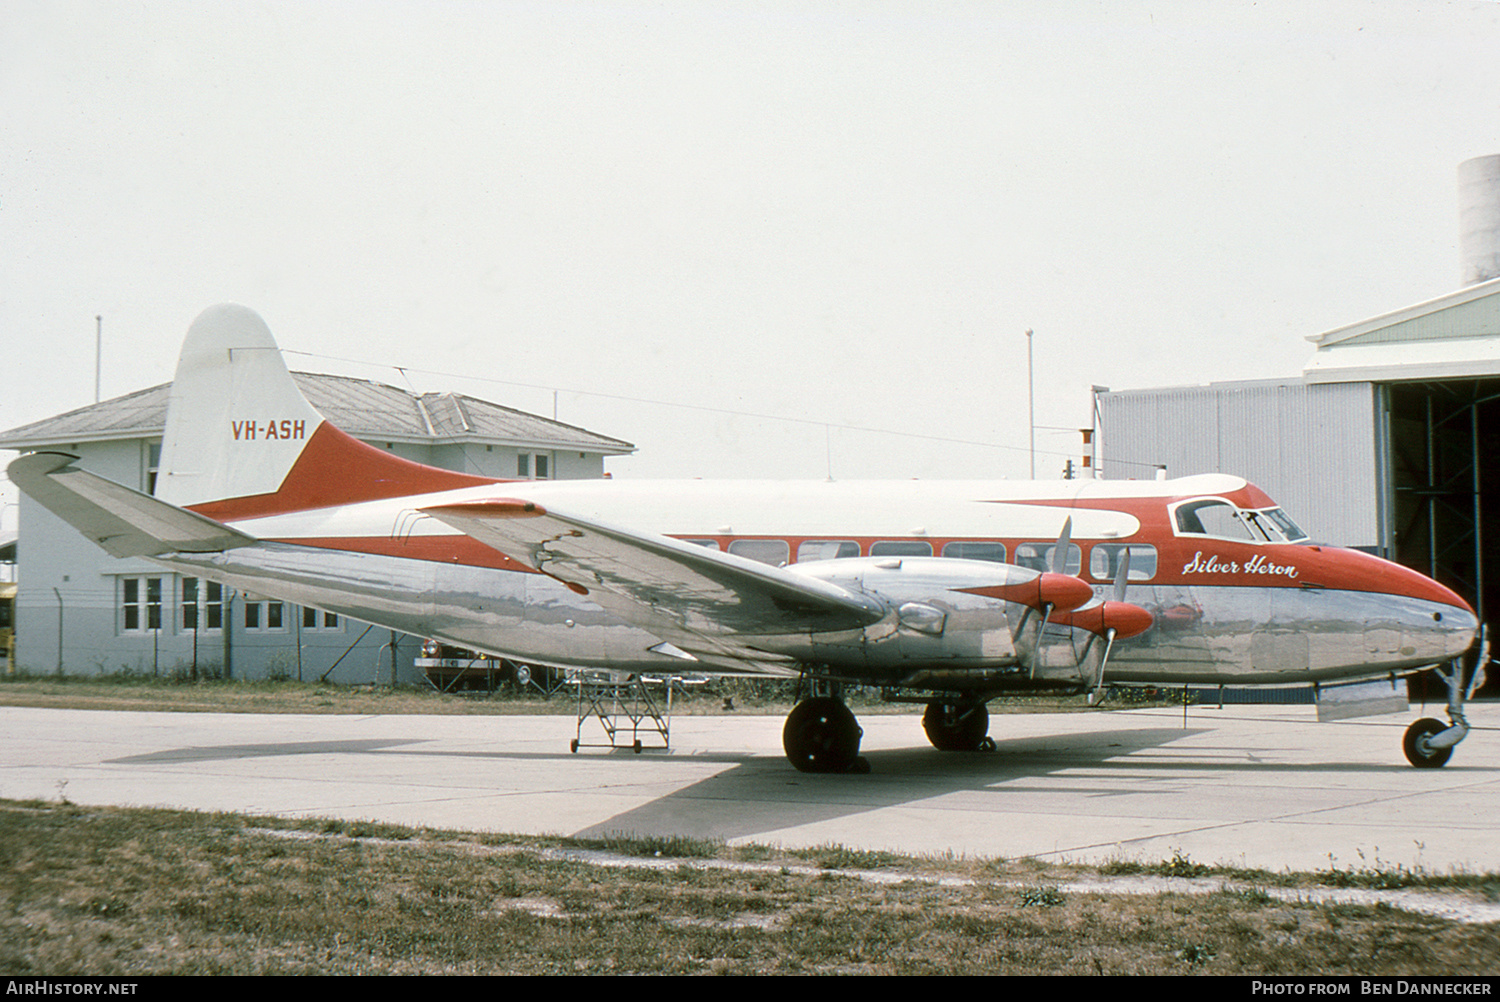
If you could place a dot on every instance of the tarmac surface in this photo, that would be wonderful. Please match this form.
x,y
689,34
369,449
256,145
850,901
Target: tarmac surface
x,y
1255,786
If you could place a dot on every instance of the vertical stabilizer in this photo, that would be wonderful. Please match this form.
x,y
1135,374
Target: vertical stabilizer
x,y
236,422
241,439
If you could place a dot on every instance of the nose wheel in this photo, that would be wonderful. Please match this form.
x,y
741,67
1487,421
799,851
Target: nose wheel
x,y
1429,743
1418,744
821,735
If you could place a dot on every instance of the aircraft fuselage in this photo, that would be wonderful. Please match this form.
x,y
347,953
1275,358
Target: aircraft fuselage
x,y
1250,610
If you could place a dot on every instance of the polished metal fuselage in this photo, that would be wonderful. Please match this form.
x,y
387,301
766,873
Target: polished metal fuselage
x,y
934,635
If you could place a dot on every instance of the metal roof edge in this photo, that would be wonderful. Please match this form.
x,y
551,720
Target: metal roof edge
x,y
1228,384
596,443
1467,294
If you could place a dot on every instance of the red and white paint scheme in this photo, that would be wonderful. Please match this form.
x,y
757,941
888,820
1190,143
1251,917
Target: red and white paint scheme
x,y
946,593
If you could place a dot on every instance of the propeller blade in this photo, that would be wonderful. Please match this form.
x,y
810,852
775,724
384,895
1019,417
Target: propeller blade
x,y
1096,695
1060,551
1122,576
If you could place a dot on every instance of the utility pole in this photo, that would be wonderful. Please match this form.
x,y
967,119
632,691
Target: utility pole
x,y
1031,402
98,353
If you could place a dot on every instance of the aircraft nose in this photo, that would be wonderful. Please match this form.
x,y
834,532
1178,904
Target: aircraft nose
x,y
1458,626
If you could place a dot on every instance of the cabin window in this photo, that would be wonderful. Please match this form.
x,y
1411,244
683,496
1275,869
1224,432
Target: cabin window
x,y
1038,557
1104,561
901,548
994,552
707,544
826,549
766,551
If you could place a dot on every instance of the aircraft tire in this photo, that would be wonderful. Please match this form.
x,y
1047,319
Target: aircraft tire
x,y
969,733
821,735
1418,752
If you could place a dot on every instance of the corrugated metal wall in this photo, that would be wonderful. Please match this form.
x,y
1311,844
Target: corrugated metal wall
x,y
1311,447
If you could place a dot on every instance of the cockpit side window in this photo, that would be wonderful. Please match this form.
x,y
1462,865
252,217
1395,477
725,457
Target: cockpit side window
x,y
1214,517
1217,517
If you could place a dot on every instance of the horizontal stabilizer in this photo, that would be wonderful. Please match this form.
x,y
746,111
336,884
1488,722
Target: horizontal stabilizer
x,y
124,522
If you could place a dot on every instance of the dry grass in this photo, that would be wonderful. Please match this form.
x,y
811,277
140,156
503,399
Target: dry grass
x,y
108,891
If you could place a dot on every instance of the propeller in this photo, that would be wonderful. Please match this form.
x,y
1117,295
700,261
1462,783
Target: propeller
x,y
1116,619
1057,589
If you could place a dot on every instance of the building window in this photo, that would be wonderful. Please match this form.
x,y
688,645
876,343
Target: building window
x,y
317,619
265,617
202,605
140,604
533,465
153,462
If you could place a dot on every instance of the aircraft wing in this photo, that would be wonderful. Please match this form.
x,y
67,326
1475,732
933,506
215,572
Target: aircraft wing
x,y
124,522
713,605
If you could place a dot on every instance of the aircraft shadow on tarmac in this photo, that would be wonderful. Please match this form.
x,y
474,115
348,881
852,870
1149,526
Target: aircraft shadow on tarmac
x,y
764,794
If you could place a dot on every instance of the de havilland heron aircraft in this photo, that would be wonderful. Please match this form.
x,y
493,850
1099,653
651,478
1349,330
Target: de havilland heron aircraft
x,y
943,593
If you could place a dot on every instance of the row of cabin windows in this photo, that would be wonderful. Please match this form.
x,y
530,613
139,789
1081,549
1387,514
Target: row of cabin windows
x,y
194,605
1104,558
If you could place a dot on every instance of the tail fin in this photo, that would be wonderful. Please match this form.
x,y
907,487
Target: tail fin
x,y
241,440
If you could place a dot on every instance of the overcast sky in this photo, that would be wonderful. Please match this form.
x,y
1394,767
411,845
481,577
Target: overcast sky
x,y
847,214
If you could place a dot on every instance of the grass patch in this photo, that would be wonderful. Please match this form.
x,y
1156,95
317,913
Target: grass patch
x,y
119,892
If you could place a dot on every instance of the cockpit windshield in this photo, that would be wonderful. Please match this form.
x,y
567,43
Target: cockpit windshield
x,y
1219,518
1276,523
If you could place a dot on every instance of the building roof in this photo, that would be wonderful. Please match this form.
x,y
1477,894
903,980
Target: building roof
x,y
1453,336
361,407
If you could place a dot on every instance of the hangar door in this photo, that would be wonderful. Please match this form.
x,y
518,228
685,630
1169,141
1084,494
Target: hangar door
x,y
1444,486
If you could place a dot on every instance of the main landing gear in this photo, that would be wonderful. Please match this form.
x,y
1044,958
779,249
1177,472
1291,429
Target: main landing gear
x,y
821,735
958,727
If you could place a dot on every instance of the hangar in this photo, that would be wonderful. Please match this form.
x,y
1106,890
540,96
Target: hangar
x,y
1388,440
80,611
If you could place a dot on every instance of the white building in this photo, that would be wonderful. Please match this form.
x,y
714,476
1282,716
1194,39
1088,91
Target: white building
x,y
81,611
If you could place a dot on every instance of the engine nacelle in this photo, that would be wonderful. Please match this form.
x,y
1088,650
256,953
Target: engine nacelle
x,y
943,612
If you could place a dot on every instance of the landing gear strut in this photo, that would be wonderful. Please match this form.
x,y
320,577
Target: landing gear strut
x,y
1429,743
821,735
956,727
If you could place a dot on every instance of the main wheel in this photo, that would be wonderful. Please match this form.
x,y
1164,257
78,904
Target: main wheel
x,y
1418,751
821,735
951,727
